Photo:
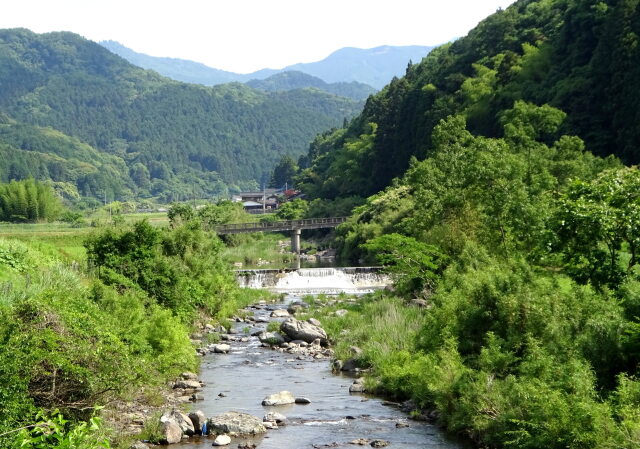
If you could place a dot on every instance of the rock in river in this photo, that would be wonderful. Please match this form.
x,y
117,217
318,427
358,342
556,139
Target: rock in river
x,y
221,348
236,423
198,419
272,338
275,417
222,440
181,420
171,432
281,398
188,384
303,330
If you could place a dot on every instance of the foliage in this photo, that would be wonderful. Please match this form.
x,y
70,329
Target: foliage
x,y
283,173
576,56
598,227
292,79
413,264
180,268
59,433
77,113
528,336
28,201
292,210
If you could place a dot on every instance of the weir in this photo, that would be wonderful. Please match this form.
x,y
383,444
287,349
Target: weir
x,y
316,280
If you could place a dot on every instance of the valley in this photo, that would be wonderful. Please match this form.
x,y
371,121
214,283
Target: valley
x,y
454,259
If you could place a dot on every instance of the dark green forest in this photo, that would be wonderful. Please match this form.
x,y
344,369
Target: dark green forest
x,y
125,132
297,80
578,56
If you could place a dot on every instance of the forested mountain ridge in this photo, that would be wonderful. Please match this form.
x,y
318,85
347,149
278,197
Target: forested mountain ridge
x,y
298,80
372,66
579,56
175,139
514,249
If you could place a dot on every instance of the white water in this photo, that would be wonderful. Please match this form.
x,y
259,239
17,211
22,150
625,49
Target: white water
x,y
317,280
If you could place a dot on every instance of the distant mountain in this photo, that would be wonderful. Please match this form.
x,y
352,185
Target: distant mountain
x,y
72,111
297,80
373,66
177,69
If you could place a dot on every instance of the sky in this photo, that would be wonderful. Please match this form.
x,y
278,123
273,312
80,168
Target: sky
x,y
246,35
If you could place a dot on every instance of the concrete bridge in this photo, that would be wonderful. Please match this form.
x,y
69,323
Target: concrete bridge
x,y
296,226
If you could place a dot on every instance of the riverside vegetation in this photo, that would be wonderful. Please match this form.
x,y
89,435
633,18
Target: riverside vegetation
x,y
490,182
75,338
514,248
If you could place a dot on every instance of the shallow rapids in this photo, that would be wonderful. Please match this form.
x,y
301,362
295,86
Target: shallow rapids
x,y
238,381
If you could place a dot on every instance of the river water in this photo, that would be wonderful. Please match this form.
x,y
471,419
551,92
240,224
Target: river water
x,y
238,381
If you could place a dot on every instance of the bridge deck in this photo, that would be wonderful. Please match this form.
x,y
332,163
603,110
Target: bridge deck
x,y
276,226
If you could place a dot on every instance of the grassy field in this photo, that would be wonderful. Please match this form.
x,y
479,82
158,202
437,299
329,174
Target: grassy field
x,y
65,240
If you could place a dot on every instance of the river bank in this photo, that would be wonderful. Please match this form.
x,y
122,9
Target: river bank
x,y
238,380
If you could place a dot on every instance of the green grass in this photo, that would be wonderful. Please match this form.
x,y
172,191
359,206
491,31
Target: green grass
x,y
254,247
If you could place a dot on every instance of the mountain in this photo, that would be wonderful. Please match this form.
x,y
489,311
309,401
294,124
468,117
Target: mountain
x,y
298,80
570,54
374,66
71,109
174,68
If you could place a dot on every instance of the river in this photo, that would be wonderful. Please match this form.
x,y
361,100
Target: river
x,y
238,381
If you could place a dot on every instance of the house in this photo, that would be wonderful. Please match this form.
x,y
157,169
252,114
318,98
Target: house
x,y
267,200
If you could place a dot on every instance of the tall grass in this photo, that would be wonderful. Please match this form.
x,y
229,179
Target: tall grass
x,y
250,249
379,325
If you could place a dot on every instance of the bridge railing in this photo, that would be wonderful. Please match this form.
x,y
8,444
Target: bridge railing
x,y
284,225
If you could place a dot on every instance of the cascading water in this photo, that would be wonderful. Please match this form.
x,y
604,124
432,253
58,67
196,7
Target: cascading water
x,y
316,280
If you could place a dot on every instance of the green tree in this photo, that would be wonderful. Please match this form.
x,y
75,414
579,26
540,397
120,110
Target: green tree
x,y
292,210
284,172
414,265
598,227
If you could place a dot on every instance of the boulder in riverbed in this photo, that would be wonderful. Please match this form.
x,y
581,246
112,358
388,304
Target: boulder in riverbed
x,y
171,432
187,384
281,398
139,445
351,364
222,440
279,313
303,330
272,338
221,348
179,418
236,423
275,417
198,419
297,306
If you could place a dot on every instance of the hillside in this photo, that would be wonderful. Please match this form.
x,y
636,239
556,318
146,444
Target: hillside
x,y
373,66
298,80
570,54
174,139
514,318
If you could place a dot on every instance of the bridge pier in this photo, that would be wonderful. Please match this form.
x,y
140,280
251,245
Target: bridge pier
x,y
295,241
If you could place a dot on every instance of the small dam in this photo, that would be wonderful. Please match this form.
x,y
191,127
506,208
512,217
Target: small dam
x,y
312,281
